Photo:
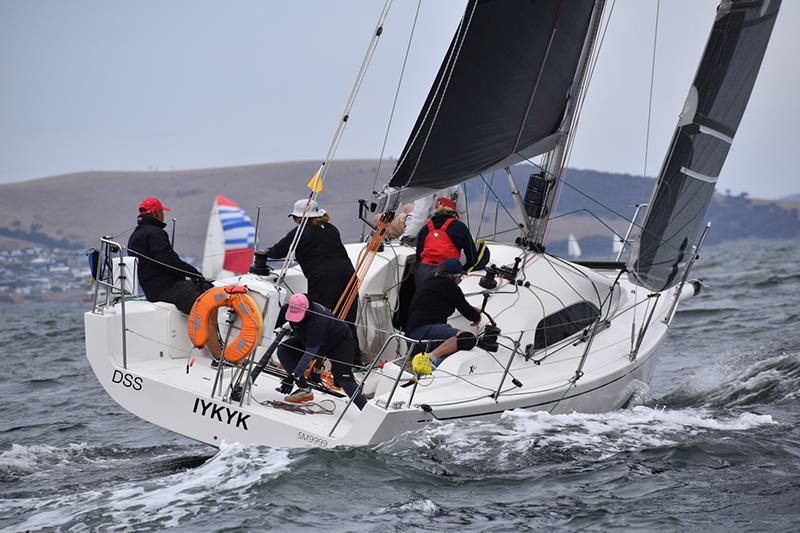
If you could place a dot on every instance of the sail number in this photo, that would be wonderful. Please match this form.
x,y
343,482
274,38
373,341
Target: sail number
x,y
311,439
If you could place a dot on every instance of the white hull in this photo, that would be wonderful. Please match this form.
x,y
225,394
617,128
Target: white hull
x,y
157,387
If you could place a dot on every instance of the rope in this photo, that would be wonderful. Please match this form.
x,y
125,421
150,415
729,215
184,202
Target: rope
x,y
307,408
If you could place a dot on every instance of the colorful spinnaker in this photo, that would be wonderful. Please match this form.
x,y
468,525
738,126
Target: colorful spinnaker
x,y
230,239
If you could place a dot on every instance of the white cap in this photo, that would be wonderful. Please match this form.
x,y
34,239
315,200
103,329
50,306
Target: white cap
x,y
312,211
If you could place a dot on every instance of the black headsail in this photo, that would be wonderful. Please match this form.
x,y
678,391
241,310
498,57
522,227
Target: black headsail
x,y
702,139
501,92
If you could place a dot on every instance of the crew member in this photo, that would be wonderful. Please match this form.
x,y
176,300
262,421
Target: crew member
x,y
443,237
162,273
322,257
315,331
433,303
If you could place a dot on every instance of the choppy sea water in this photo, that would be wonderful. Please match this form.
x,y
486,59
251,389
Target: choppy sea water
x,y
715,446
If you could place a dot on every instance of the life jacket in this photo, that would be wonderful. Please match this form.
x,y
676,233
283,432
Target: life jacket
x,y
438,245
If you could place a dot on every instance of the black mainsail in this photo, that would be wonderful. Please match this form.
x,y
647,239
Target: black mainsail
x,y
500,94
706,128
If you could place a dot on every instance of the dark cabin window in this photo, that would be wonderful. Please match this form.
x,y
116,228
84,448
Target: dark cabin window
x,y
565,323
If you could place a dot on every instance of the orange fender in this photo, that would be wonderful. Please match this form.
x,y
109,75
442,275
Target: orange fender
x,y
201,320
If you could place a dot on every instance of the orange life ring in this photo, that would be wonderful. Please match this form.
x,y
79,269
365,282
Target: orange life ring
x,y
201,320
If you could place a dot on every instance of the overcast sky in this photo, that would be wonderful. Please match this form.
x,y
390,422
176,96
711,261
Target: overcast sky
x,y
168,84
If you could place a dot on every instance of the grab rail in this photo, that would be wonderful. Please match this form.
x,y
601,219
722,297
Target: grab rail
x,y
410,344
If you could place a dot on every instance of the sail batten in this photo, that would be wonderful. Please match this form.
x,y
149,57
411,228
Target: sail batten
x,y
706,128
501,91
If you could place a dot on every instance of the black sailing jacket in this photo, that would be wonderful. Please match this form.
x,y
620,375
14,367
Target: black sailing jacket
x,y
150,241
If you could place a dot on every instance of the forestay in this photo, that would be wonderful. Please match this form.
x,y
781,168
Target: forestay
x,y
702,139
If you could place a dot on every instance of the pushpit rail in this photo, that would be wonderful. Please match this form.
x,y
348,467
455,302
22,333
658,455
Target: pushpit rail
x,y
107,249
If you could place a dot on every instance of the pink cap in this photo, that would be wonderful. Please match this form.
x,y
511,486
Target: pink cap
x,y
298,305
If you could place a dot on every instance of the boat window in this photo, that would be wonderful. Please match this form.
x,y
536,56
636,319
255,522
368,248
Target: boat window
x,y
564,323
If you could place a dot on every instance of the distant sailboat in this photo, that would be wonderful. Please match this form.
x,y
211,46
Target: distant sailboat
x,y
616,244
230,240
573,248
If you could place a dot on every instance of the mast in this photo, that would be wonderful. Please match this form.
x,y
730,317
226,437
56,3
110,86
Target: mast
x,y
555,159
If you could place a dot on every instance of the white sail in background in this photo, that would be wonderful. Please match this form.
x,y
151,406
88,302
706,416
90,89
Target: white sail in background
x,y
616,244
214,251
573,248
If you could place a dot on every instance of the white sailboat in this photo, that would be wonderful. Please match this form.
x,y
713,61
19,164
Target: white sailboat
x,y
616,244
230,240
573,248
569,336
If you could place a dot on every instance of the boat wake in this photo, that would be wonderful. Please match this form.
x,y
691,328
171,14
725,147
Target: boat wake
x,y
159,501
523,439
167,486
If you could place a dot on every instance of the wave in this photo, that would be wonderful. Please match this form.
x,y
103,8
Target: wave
x,y
220,482
777,280
523,439
769,381
695,312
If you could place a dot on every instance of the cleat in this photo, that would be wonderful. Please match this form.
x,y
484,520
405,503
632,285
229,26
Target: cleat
x,y
301,395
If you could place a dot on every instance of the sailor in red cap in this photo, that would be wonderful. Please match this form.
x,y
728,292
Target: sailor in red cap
x,y
162,273
443,237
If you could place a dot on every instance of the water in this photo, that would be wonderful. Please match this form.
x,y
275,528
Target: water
x,y
715,446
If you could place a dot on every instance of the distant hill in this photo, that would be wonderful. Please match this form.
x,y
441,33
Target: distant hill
x,y
74,210
792,197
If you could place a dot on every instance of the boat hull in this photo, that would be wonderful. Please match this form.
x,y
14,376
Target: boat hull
x,y
163,379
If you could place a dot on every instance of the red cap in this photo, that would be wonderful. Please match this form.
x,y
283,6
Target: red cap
x,y
445,203
152,205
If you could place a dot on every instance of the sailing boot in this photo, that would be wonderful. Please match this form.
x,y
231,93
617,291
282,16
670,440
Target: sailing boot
x,y
301,395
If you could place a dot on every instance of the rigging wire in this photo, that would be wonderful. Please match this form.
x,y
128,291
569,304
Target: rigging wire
x,y
319,177
451,64
500,202
396,95
484,202
646,150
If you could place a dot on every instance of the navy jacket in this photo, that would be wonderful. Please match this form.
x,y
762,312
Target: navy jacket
x,y
150,241
319,331
324,261
458,233
435,300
